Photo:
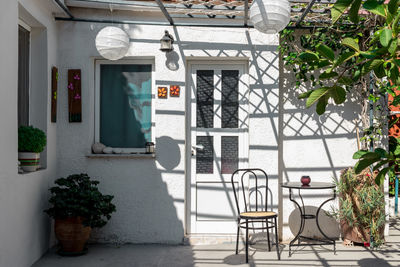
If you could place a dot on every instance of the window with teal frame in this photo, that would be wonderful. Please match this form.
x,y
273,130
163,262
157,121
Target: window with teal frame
x,y
125,105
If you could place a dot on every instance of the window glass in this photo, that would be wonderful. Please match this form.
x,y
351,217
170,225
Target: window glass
x,y
125,105
230,99
205,99
23,76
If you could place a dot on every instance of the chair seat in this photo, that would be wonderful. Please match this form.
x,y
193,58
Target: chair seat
x,y
258,214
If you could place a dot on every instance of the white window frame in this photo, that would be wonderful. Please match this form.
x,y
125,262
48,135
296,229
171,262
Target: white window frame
x,y
100,62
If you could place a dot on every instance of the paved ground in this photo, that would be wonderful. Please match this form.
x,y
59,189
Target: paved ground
x,y
223,255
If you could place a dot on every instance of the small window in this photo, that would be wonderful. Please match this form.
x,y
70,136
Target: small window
x,y
124,108
23,75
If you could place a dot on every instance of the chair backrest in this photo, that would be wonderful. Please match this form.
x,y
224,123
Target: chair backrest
x,y
254,178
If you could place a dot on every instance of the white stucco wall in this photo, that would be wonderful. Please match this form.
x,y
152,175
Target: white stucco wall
x,y
150,194
24,228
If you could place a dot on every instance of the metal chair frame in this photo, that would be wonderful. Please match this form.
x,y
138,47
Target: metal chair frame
x,y
258,219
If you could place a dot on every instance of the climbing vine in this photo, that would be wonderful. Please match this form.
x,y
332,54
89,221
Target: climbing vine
x,y
360,50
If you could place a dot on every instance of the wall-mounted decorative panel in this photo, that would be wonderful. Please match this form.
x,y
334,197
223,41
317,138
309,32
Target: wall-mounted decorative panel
x,y
174,90
162,92
74,96
54,85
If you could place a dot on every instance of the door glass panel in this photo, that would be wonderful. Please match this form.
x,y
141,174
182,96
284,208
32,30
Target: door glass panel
x,y
230,99
229,154
204,154
205,99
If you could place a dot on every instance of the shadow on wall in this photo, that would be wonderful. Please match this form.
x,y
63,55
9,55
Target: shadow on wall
x,y
328,224
146,212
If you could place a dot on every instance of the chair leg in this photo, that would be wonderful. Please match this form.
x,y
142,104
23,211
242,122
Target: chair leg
x,y
269,243
237,237
276,239
247,241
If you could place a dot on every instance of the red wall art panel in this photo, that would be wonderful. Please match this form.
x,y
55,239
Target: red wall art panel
x,y
74,96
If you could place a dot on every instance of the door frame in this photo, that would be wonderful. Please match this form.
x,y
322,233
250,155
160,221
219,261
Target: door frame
x,y
190,61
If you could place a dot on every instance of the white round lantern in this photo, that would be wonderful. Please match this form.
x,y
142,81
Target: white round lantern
x,y
112,43
270,16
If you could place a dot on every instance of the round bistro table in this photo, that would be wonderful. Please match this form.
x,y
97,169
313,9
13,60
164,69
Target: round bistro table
x,y
304,216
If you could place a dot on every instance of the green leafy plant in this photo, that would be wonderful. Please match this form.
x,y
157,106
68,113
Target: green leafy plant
x,y
78,196
31,139
362,205
359,51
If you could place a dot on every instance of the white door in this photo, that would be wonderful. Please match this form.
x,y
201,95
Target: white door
x,y
218,144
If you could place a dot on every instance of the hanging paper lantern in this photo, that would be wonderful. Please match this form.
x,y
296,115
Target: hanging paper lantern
x,y
270,16
112,43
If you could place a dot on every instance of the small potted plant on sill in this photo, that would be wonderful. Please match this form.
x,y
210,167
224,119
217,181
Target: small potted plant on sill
x,y
77,207
31,141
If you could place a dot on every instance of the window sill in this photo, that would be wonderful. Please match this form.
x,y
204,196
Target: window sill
x,y
121,156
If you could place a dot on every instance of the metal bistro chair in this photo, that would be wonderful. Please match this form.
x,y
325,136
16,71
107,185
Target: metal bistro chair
x,y
261,214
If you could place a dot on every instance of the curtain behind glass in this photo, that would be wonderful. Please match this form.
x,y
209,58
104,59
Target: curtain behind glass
x,y
125,105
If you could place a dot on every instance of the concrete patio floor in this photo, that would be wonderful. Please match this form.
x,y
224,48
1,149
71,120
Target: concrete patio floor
x,y
224,255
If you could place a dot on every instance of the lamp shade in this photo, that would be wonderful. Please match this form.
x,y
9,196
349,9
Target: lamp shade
x,y
270,16
112,43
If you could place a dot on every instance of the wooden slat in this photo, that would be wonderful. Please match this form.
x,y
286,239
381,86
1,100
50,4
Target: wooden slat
x,y
54,85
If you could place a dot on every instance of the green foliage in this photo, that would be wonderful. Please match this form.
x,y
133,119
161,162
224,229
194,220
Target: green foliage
x,y
31,139
362,204
337,59
78,196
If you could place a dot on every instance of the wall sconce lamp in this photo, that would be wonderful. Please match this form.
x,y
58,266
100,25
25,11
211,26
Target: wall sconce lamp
x,y
166,42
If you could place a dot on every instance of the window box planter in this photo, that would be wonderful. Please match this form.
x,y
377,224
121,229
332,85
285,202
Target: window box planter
x,y
31,141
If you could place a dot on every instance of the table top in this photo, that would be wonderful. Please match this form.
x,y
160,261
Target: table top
x,y
312,185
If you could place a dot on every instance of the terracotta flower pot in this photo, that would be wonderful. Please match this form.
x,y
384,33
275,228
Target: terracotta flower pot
x,y
354,233
72,234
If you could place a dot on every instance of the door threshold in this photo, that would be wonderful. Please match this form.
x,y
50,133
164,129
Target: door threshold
x,y
209,239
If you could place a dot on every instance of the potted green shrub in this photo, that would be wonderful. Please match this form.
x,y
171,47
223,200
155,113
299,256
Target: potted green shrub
x,y
31,141
77,207
361,211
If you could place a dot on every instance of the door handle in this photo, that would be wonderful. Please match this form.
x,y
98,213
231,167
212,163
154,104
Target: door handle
x,y
195,147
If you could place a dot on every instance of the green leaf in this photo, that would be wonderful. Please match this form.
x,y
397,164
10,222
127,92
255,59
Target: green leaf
x,y
381,152
327,75
338,94
338,8
375,7
380,164
380,71
371,155
371,65
326,52
380,177
321,105
305,94
368,54
343,58
350,42
353,12
323,63
345,80
393,47
393,6
385,37
316,95
308,56
364,163
359,154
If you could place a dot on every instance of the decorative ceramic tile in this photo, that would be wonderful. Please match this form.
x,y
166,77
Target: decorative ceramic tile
x,y
162,92
174,90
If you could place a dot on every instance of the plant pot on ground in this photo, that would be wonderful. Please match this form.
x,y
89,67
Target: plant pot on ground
x,y
77,207
361,209
31,141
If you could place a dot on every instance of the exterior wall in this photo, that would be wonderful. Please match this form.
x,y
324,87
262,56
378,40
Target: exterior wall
x,y
24,228
318,146
150,193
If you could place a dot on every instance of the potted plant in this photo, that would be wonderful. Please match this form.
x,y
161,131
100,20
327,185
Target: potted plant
x,y
77,207
31,141
361,211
